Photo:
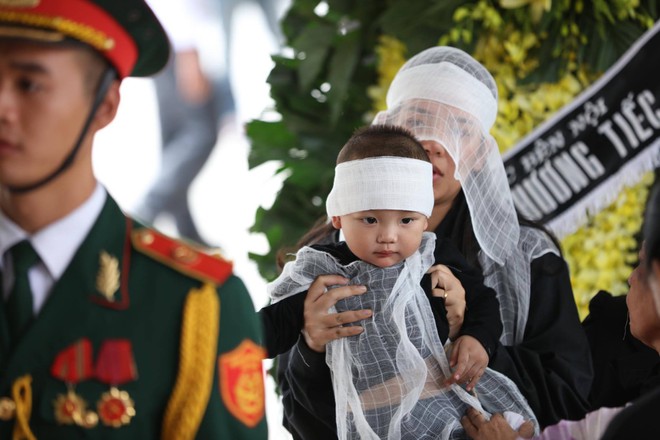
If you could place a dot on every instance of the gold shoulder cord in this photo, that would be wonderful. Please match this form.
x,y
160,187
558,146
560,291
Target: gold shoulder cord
x,y
21,391
199,343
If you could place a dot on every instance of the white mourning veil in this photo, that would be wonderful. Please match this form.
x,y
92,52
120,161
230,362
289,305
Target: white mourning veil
x,y
445,95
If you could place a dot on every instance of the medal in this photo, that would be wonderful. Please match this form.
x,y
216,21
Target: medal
x,y
115,365
73,365
71,409
115,408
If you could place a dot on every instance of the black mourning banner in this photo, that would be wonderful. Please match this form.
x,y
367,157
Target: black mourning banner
x,y
577,162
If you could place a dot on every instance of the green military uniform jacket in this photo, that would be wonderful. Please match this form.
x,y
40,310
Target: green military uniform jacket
x,y
119,318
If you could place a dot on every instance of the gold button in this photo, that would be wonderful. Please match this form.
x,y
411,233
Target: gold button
x,y
7,409
146,237
184,254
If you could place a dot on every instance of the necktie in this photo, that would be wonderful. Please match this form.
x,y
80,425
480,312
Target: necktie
x,y
19,304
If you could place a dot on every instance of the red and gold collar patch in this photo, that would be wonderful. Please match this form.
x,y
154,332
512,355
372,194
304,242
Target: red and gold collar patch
x,y
242,382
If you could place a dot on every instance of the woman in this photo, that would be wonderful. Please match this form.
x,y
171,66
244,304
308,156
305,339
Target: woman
x,y
449,101
637,420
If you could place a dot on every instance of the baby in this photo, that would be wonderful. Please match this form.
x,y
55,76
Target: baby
x,y
390,382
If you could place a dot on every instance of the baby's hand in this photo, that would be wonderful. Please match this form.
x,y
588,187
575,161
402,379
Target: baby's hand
x,y
447,286
468,360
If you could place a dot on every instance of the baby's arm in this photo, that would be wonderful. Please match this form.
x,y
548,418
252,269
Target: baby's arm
x,y
482,310
479,333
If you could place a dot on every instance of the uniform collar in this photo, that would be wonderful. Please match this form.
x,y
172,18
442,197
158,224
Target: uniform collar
x,y
10,234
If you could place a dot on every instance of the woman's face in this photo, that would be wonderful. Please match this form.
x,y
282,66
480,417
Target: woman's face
x,y
445,185
644,318
448,134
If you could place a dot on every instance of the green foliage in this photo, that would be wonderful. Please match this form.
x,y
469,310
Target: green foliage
x,y
321,96
321,93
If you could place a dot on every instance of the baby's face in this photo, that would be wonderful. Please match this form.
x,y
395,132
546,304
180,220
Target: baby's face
x,y
382,237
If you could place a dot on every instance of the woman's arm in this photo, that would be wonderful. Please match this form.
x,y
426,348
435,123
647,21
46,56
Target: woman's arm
x,y
281,323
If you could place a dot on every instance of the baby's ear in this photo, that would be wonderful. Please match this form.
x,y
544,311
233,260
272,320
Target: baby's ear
x,y
336,222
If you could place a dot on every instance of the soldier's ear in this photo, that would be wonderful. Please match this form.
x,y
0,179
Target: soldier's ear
x,y
107,111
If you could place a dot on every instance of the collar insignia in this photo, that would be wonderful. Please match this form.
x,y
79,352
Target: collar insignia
x,y
107,280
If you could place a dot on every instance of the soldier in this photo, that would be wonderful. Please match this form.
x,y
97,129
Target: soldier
x,y
108,329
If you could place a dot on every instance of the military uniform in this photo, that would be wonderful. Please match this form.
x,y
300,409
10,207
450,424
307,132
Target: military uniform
x,y
137,321
142,336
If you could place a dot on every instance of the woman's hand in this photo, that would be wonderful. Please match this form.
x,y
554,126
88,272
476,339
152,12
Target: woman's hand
x,y
497,428
446,285
322,327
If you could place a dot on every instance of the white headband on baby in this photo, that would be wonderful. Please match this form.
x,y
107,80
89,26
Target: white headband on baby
x,y
382,183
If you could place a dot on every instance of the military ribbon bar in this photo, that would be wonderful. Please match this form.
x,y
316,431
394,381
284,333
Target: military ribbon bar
x,y
115,364
74,364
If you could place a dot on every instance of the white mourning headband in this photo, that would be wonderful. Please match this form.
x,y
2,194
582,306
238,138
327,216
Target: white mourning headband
x,y
382,183
444,82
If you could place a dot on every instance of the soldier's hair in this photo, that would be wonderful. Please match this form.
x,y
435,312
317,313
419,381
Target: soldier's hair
x,y
93,64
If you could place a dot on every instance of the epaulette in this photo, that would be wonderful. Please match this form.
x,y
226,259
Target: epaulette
x,y
181,256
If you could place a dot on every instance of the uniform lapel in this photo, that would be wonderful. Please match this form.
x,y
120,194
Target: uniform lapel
x,y
71,310
4,331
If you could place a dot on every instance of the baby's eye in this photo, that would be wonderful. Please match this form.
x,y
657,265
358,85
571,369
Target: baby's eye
x,y
407,220
370,220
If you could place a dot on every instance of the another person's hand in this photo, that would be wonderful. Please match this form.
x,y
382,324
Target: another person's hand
x,y
322,327
468,361
497,428
446,285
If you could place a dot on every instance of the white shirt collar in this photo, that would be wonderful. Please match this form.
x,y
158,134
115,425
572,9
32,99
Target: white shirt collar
x,y
58,242
10,234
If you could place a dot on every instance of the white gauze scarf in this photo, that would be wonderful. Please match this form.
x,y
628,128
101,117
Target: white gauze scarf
x,y
388,380
445,95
